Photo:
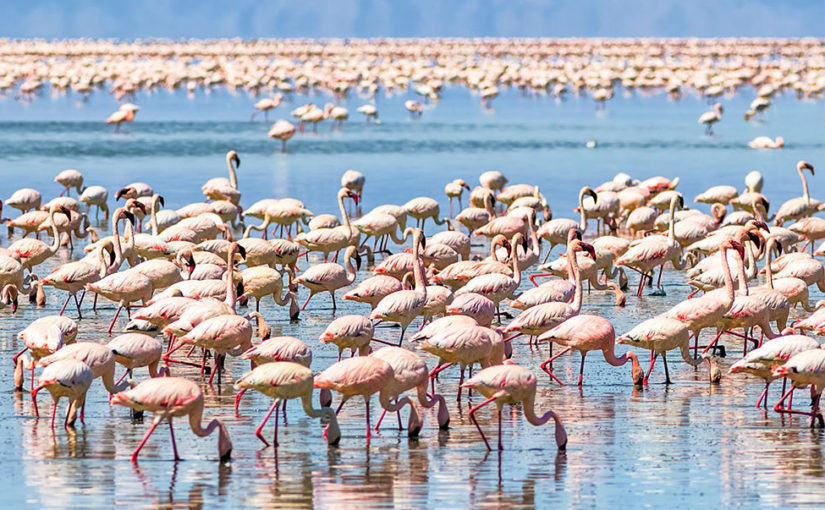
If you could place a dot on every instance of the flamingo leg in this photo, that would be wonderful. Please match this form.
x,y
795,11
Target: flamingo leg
x,y
54,412
266,418
275,437
549,362
238,400
380,419
174,444
763,397
66,303
500,446
475,422
135,453
367,403
667,374
581,369
112,325
653,357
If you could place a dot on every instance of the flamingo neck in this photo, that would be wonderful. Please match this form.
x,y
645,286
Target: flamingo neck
x,y
743,277
344,217
233,178
672,226
420,284
116,241
154,217
583,221
728,279
348,264
516,268
769,261
574,266
56,241
231,293
805,193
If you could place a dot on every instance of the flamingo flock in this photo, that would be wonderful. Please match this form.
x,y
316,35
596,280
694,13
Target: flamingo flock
x,y
184,278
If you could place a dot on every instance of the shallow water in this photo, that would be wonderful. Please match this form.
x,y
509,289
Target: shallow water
x,y
689,443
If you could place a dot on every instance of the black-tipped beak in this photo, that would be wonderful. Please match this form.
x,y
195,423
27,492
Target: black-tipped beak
x,y
161,201
357,261
129,216
242,251
121,192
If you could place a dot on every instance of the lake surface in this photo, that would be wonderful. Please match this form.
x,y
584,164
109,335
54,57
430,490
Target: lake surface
x,y
688,444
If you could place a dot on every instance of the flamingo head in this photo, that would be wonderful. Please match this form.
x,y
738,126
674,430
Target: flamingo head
x,y
127,192
162,201
587,247
731,244
9,296
354,196
804,165
233,157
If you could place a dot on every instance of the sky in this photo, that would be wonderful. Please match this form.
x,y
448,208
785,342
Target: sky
x,y
410,18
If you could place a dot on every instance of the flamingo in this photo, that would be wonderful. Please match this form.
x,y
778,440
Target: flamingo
x,y
70,178
422,208
799,207
95,196
352,332
33,252
454,189
220,188
67,378
535,321
711,117
172,397
497,286
136,350
369,111
404,305
410,372
373,290
365,376
706,311
329,240
282,130
511,384
41,338
266,104
762,360
282,381
98,357
479,307
586,333
804,369
557,231
24,199
655,251
329,277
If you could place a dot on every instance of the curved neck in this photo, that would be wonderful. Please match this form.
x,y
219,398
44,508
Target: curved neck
x,y
56,233
231,293
529,409
583,221
154,220
769,261
672,226
534,238
420,284
116,241
574,267
805,194
344,217
743,277
233,179
333,431
514,261
349,266
728,279
489,206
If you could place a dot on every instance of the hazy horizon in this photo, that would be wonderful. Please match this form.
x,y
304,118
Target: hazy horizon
x,y
250,19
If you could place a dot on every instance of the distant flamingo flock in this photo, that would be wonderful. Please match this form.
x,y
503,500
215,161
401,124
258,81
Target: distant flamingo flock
x,y
274,71
185,277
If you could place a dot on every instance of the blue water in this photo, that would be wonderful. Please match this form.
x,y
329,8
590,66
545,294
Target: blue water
x,y
688,444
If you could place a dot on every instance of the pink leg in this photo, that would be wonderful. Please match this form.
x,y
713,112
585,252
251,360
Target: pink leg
x,y
54,413
472,417
174,444
380,419
64,304
266,418
112,325
238,400
275,437
145,438
549,362
369,435
653,357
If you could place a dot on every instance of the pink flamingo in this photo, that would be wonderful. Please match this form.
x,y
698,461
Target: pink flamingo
x,y
540,318
373,290
705,311
804,369
352,332
479,307
654,251
762,361
40,338
403,306
660,334
135,350
329,277
464,346
558,231
66,378
586,333
497,286
172,397
511,384
282,381
365,376
410,372
34,251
